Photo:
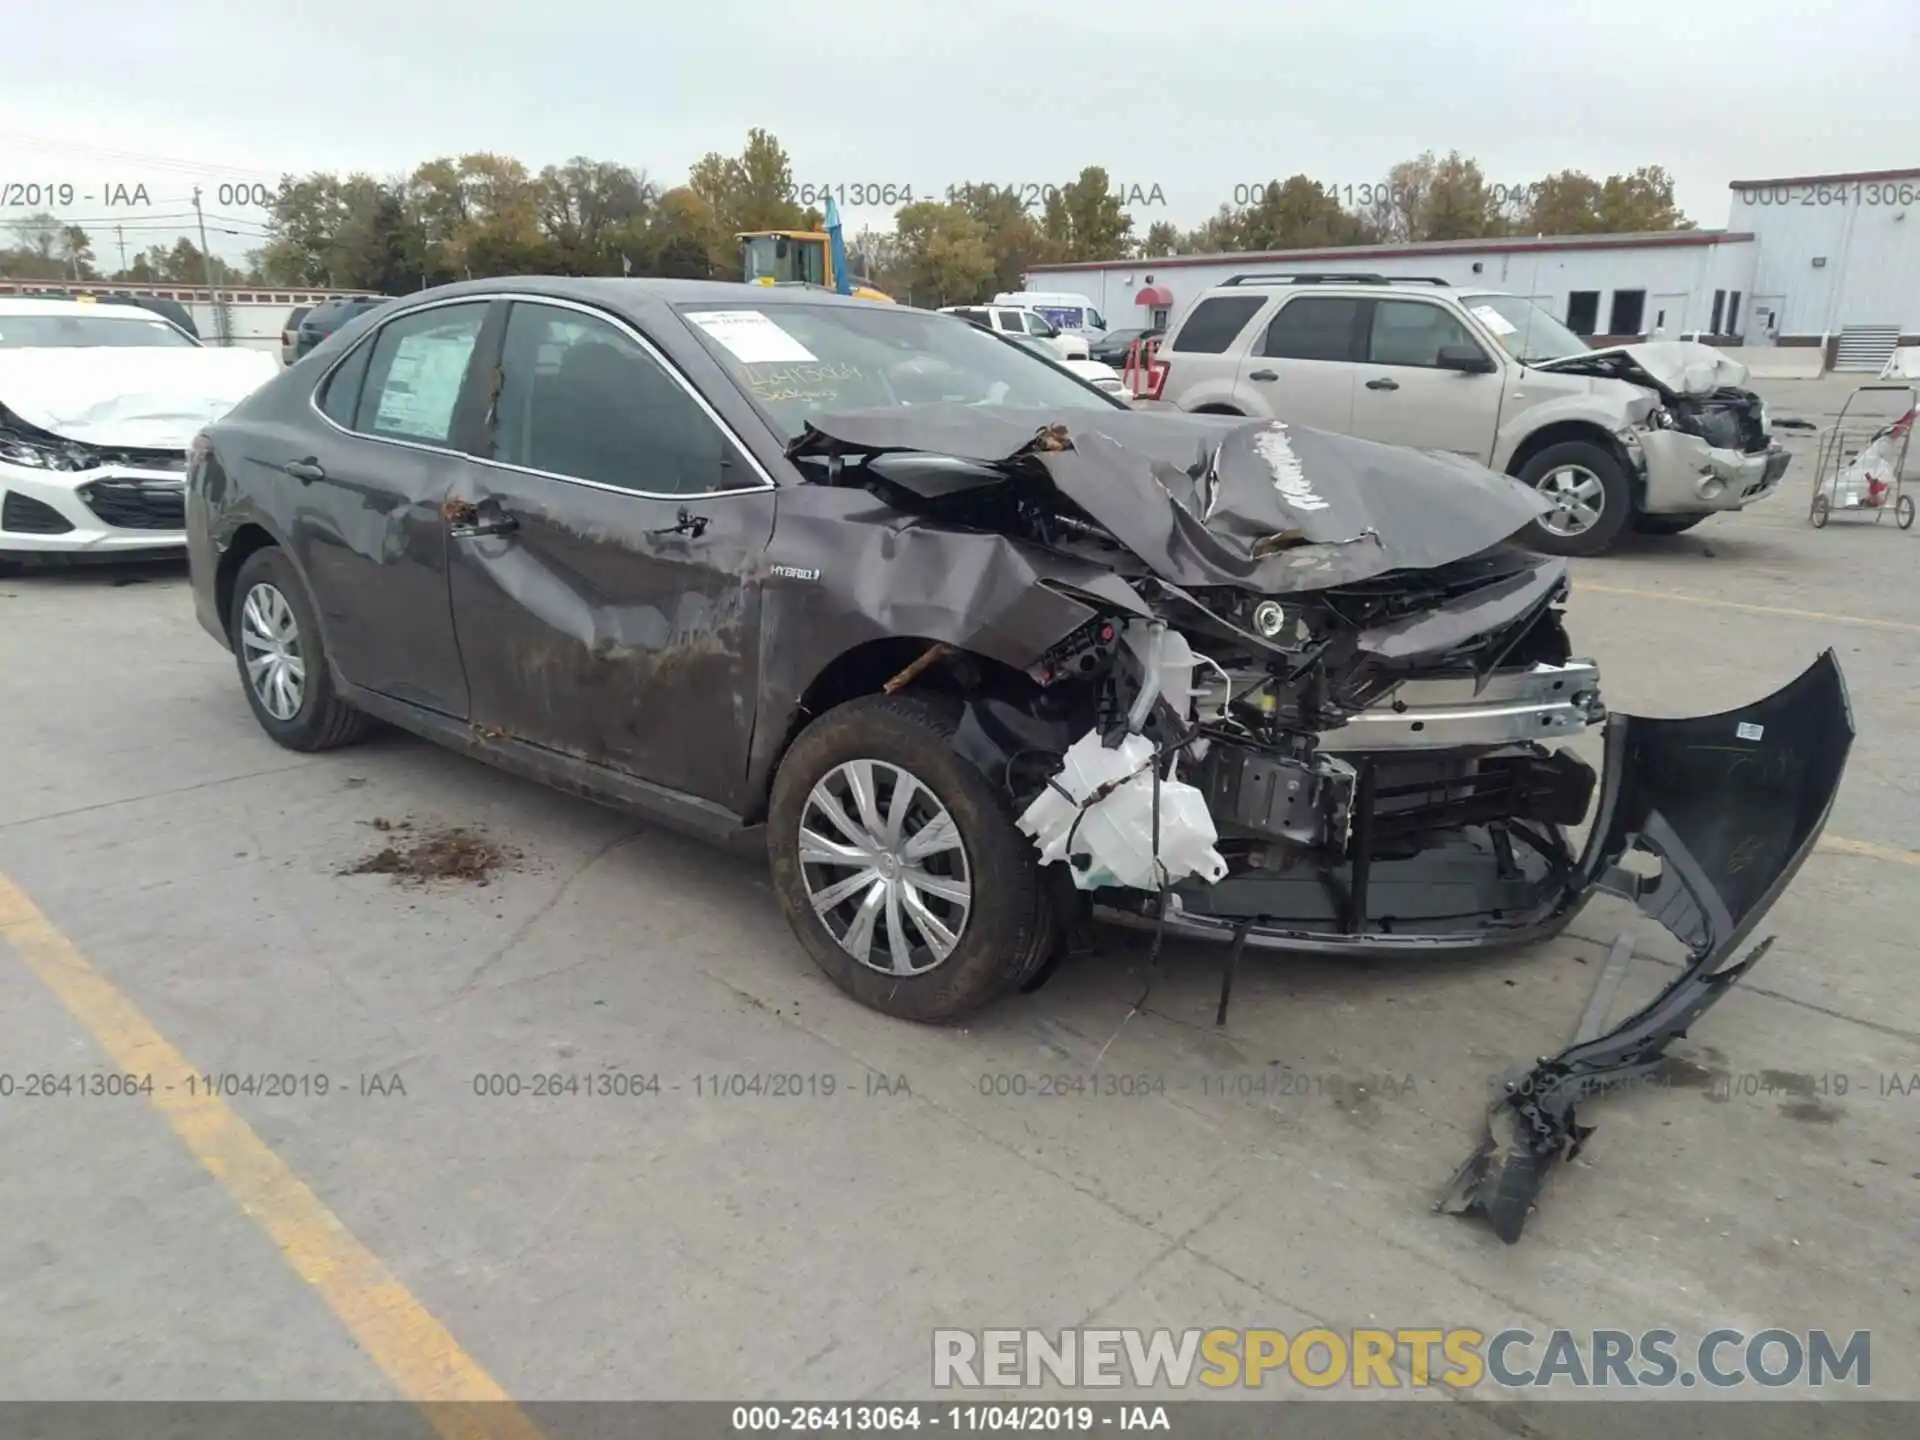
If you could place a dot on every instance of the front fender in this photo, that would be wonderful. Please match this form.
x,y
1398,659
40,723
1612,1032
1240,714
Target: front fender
x,y
844,570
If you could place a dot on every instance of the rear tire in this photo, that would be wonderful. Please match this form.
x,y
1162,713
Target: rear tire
x,y
1005,929
1590,487
1665,524
273,633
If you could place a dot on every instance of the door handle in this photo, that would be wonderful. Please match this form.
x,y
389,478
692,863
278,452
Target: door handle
x,y
1383,383
1263,375
686,523
305,471
467,521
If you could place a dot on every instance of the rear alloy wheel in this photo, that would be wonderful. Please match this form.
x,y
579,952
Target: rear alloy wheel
x,y
1588,490
898,864
283,661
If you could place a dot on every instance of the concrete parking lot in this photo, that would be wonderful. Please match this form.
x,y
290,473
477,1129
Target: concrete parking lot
x,y
175,898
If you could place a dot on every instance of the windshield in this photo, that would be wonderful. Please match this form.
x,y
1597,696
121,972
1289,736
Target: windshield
x,y
76,332
1528,333
799,361
762,258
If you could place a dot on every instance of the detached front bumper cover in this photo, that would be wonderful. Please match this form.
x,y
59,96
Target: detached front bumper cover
x,y
1730,806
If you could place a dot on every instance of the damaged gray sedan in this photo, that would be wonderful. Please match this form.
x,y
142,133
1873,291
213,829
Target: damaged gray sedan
x,y
978,653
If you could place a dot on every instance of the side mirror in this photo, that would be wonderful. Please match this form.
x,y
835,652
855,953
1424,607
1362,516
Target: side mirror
x,y
1467,359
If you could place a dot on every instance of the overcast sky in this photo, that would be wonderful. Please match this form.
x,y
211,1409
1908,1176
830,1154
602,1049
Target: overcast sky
x,y
1195,97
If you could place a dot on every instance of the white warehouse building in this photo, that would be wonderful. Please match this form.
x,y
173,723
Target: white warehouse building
x,y
1824,264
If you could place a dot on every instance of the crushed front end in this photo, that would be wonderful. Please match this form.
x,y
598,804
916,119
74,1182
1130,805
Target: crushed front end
x,y
1318,700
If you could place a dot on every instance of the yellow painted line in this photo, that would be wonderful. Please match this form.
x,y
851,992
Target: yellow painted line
x,y
1841,845
424,1361
1587,587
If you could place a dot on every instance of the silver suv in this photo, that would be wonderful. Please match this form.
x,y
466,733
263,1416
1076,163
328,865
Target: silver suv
x,y
1657,435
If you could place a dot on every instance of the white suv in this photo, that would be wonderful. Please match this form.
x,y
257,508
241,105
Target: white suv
x,y
1017,320
1657,436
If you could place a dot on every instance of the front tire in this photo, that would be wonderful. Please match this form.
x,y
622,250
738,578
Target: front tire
x,y
283,659
898,865
1592,500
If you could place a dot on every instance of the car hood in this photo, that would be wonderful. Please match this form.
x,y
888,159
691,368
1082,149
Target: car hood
x,y
1674,367
148,399
1213,500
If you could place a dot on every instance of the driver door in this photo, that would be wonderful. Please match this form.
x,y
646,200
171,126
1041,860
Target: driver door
x,y
604,559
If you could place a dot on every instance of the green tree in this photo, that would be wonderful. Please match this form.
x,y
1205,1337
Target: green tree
x,y
1163,238
1082,220
944,253
750,191
1297,214
1014,240
1641,200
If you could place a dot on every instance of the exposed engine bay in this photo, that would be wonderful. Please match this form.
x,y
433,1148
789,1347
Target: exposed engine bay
x,y
1319,701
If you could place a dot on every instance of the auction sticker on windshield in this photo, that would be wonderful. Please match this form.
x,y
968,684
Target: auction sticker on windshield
x,y
751,337
1494,320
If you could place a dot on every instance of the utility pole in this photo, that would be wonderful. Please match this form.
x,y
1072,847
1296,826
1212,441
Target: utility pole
x,y
120,234
206,257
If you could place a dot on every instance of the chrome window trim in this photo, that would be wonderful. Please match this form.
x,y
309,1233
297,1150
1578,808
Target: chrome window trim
x,y
521,297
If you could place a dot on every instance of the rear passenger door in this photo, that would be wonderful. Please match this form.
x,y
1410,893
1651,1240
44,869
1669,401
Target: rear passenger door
x,y
604,555
1404,397
1301,366
365,522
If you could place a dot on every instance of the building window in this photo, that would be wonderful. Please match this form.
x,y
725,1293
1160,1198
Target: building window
x,y
1733,314
1719,308
1583,311
1629,310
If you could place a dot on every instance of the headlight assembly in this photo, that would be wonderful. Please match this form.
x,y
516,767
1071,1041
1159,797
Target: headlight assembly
x,y
45,454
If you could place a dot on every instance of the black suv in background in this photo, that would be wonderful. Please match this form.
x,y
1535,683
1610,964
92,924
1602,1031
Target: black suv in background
x,y
328,316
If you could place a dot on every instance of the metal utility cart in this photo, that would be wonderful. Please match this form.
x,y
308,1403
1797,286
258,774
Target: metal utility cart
x,y
1863,455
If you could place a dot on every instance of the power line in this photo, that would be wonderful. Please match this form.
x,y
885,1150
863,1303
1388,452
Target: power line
x,y
158,162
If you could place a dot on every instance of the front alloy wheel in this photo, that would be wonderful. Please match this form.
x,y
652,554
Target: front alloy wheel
x,y
270,645
884,867
1578,501
897,862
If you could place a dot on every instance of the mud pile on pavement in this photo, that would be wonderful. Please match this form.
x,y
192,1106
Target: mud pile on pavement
x,y
444,853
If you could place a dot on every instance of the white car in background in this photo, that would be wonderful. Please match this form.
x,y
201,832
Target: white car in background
x,y
1014,320
1096,373
98,404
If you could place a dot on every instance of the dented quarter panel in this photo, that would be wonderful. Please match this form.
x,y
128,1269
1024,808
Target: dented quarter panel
x,y
587,635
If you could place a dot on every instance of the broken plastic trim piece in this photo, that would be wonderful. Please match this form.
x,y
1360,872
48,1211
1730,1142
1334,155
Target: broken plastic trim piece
x,y
1731,805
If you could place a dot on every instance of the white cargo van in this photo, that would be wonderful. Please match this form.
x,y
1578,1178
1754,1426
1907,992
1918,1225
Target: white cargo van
x,y
1070,314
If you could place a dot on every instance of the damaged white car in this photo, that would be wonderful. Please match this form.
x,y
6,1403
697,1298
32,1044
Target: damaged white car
x,y
1654,437
98,404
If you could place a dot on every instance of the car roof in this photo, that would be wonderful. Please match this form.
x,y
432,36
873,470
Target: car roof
x,y
617,293
29,305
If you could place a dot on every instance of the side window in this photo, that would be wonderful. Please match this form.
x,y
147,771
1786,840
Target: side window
x,y
1314,328
1408,332
341,397
1037,324
1212,325
1097,320
1009,320
579,397
415,372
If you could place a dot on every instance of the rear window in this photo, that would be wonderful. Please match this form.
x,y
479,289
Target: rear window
x,y
1314,328
1214,322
